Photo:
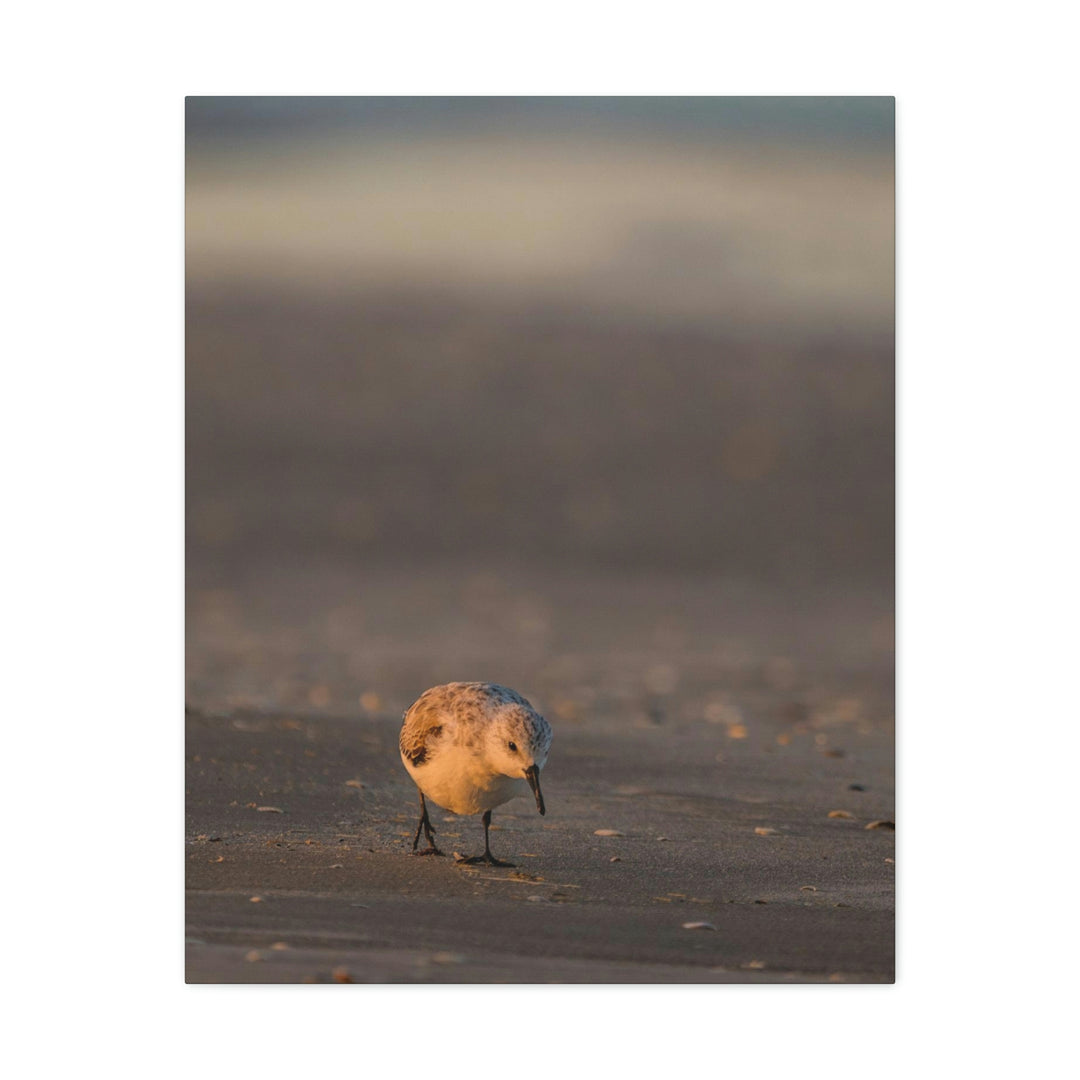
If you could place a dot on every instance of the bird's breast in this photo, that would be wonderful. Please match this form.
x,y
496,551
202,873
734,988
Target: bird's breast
x,y
459,782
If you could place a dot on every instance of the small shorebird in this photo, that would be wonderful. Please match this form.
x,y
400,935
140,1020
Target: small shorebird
x,y
472,746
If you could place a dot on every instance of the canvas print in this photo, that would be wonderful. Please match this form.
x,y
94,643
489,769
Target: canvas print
x,y
540,540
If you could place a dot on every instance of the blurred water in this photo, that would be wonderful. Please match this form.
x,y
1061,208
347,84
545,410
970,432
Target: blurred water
x,y
215,122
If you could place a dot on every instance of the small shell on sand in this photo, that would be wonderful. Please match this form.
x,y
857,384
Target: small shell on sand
x,y
607,832
698,926
840,813
763,830
882,825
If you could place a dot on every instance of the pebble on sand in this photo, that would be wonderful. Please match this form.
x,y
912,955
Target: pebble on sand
x,y
607,832
698,926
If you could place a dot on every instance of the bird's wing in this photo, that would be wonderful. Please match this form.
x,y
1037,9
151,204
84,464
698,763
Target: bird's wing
x,y
420,730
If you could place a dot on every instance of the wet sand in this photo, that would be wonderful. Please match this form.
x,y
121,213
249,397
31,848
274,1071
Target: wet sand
x,y
675,539
323,888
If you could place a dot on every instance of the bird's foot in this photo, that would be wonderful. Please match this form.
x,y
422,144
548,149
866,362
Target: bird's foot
x,y
433,850
487,857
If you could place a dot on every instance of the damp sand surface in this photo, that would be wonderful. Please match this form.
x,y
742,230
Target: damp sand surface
x,y
672,852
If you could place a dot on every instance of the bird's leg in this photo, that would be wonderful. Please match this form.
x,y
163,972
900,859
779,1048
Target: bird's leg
x,y
429,832
487,857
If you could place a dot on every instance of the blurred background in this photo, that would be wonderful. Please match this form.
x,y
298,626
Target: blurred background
x,y
593,397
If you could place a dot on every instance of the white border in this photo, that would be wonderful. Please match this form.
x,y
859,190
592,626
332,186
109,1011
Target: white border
x,y
93,458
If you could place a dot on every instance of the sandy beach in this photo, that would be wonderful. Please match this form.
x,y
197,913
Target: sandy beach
x,y
298,868
590,398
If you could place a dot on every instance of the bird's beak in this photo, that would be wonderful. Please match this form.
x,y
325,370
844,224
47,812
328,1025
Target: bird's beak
x,y
532,774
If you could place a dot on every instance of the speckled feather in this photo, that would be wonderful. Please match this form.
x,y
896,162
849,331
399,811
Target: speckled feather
x,y
451,740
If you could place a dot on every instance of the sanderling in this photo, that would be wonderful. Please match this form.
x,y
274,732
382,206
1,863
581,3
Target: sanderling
x,y
472,746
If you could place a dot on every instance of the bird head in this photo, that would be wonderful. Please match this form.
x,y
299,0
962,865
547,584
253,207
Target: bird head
x,y
519,745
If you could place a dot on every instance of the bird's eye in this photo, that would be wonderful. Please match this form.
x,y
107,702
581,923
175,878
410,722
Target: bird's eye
x,y
513,747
